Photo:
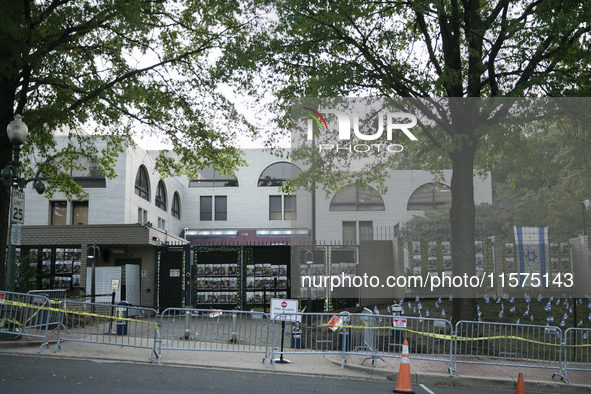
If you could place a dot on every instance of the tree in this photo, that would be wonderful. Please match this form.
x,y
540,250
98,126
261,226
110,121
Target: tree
x,y
414,49
114,68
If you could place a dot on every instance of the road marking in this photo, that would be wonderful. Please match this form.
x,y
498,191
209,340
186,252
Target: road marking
x,y
426,389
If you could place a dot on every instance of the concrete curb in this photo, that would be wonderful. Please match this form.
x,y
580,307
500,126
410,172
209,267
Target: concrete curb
x,y
473,381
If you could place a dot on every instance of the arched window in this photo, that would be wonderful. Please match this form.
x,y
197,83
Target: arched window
x,y
142,183
428,197
210,178
276,174
176,205
161,196
354,198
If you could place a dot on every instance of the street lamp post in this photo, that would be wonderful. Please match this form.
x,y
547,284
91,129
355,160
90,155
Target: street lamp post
x,y
93,252
11,177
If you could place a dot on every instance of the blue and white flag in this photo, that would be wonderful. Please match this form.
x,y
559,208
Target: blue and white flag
x,y
586,335
589,305
417,299
565,317
558,301
512,309
550,319
548,307
427,313
517,321
498,300
451,298
532,247
526,312
570,310
540,298
589,317
580,301
388,309
531,317
551,299
376,311
414,310
562,324
439,300
477,307
512,300
420,306
501,314
580,324
479,313
409,306
443,313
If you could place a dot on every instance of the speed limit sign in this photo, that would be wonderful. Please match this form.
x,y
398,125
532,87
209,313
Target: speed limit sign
x,y
17,213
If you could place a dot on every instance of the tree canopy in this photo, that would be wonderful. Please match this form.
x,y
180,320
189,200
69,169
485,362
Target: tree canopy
x,y
416,49
113,69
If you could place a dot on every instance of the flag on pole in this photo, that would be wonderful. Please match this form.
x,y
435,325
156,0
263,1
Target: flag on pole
x,y
532,245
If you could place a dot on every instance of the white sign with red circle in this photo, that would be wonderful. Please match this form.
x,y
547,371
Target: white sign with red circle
x,y
284,310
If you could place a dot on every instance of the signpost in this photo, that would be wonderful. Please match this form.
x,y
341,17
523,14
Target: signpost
x,y
17,211
284,310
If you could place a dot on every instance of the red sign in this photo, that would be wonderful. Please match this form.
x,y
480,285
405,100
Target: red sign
x,y
284,304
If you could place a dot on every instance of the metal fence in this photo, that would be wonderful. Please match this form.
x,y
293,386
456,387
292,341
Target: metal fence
x,y
306,333
23,315
577,351
215,330
56,299
110,325
373,336
509,344
380,336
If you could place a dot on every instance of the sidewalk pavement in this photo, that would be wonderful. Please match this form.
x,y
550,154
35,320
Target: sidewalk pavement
x,y
422,371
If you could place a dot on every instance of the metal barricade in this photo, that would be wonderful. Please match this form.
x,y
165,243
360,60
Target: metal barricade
x,y
309,333
81,324
381,336
215,330
56,298
577,351
24,315
509,344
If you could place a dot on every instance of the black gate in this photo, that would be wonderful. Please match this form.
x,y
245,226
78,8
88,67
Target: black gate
x,y
171,267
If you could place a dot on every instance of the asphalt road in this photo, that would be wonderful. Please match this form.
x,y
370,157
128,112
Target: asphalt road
x,y
50,375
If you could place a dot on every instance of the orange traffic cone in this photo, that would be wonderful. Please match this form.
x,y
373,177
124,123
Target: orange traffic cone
x,y
520,384
403,384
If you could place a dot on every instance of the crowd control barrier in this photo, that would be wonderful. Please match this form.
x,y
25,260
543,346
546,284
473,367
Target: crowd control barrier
x,y
24,315
110,325
215,330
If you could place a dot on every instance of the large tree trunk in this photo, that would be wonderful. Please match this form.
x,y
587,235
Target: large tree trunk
x,y
462,218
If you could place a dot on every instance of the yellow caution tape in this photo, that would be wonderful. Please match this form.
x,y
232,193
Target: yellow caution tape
x,y
24,305
454,337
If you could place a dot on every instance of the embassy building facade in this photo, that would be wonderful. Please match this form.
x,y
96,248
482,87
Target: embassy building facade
x,y
215,240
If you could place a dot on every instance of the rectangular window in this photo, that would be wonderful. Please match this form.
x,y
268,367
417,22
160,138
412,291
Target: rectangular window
x,y
80,212
275,208
221,208
366,231
349,233
205,208
289,208
58,212
162,223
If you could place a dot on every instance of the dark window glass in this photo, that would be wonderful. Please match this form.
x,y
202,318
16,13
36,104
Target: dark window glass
x,y
142,183
205,208
176,206
366,231
80,212
349,233
210,178
354,198
58,212
276,174
221,208
428,197
289,207
274,207
161,196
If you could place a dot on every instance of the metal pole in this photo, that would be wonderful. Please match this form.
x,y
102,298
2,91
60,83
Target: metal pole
x,y
584,221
